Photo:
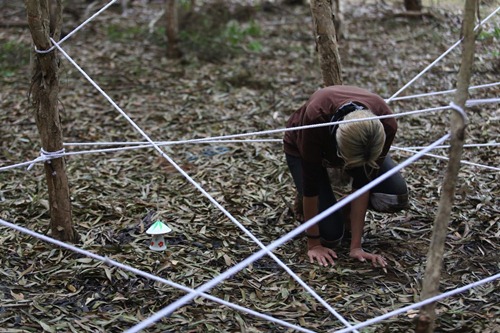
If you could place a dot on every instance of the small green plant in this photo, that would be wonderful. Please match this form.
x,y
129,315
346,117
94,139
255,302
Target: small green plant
x,y
214,41
490,34
185,5
489,40
255,46
13,55
235,33
118,33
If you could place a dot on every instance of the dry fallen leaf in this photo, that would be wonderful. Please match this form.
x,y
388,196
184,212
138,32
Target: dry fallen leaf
x,y
228,87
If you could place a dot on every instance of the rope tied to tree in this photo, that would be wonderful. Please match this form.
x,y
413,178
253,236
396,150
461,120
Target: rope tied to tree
x,y
46,156
460,111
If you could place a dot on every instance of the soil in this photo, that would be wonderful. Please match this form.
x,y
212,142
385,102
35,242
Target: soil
x,y
246,67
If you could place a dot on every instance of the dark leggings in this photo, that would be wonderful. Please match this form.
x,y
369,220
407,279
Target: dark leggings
x,y
331,228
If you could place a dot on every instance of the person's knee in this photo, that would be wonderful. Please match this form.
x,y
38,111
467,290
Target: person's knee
x,y
389,203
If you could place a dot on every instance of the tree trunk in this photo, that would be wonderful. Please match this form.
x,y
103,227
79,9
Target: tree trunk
x,y
338,18
427,317
172,29
44,98
331,69
413,5
294,2
326,42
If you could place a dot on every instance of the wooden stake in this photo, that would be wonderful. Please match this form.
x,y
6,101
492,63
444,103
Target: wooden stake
x,y
326,42
427,317
172,31
44,100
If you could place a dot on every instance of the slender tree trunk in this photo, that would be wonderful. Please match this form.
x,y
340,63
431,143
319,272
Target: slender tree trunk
x,y
172,29
329,59
326,42
427,317
413,5
44,99
338,18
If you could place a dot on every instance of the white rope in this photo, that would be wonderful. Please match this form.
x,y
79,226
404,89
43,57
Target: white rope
x,y
444,92
46,156
147,275
227,138
439,58
133,146
230,138
216,139
77,28
461,112
471,145
205,193
17,165
473,102
143,145
424,71
421,303
264,249
288,129
446,158
224,139
257,255
165,143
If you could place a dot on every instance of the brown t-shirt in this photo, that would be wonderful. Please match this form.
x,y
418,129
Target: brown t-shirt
x,y
315,146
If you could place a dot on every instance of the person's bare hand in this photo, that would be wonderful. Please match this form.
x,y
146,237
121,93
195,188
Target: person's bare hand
x,y
376,259
322,255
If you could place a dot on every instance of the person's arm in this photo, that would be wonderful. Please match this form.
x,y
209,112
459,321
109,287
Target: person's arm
x,y
359,207
358,213
310,206
315,250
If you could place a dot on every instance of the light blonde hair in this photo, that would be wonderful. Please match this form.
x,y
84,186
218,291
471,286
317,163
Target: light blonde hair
x,y
360,143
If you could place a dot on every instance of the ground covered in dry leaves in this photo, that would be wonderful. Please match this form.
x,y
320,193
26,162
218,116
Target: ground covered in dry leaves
x,y
244,69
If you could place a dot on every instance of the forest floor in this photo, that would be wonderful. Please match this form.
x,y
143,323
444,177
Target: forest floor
x,y
245,68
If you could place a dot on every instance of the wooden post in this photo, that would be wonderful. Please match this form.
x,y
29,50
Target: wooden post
x,y
427,316
172,29
329,58
44,99
413,5
326,42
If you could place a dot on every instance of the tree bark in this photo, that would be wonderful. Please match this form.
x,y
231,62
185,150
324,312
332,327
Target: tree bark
x,y
172,29
413,5
427,316
329,58
326,42
44,100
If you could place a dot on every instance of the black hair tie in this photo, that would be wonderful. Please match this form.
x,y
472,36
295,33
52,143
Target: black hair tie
x,y
343,111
